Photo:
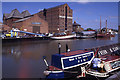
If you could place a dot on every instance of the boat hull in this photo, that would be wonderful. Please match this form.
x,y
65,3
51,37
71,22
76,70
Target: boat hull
x,y
83,63
63,37
86,37
97,74
54,74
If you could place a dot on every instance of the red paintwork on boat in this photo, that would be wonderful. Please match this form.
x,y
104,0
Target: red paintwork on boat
x,y
110,57
105,35
53,68
74,52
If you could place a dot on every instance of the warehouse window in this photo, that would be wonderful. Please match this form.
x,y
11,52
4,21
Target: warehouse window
x,y
13,27
69,11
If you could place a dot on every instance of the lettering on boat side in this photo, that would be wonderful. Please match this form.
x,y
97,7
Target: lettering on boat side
x,y
71,59
102,52
115,64
76,60
111,50
115,48
107,51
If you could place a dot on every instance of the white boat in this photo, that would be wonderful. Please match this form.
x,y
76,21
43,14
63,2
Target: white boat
x,y
63,37
87,34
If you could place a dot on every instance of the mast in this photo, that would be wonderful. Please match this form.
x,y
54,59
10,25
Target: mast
x,y
100,24
106,25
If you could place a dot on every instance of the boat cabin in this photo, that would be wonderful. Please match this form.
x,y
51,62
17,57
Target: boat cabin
x,y
106,61
71,59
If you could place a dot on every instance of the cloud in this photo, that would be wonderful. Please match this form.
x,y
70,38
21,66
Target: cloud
x,y
40,10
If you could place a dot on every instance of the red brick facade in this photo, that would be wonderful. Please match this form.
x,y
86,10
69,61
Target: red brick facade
x,y
119,29
4,27
32,22
10,21
52,20
58,18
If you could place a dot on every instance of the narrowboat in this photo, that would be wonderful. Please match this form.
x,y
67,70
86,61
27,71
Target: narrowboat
x,y
69,65
99,62
106,62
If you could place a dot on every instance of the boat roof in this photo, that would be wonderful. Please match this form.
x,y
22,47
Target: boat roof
x,y
74,52
110,57
88,32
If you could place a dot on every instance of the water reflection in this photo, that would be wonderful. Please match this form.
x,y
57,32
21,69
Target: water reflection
x,y
25,59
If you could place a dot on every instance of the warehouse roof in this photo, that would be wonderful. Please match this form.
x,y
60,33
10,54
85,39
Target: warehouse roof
x,y
76,24
16,14
22,19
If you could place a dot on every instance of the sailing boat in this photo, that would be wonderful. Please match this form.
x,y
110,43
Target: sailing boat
x,y
61,36
106,34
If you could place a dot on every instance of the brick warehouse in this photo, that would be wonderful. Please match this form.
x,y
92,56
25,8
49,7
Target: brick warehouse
x,y
59,18
32,24
52,20
25,21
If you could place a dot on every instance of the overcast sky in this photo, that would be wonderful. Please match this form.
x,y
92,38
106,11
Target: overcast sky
x,y
86,13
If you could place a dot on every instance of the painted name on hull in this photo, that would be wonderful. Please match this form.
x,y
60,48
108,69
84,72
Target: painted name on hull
x,y
76,60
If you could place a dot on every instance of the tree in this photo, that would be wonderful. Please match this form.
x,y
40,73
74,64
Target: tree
x,y
88,29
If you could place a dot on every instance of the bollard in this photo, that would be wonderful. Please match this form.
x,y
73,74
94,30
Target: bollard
x,y
66,48
59,47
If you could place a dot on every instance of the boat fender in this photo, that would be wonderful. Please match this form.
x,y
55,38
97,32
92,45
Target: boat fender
x,y
83,72
46,73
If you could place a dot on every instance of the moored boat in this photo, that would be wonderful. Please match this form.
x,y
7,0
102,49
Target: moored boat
x,y
103,35
87,34
106,62
98,62
70,64
60,37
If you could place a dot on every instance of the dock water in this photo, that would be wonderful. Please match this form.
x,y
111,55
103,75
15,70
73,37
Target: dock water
x,y
27,56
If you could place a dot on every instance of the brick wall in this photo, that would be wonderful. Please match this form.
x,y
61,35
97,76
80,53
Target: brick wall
x,y
55,21
119,29
10,21
118,34
28,24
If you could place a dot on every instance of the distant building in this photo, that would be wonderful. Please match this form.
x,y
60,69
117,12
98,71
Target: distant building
x,y
119,34
119,29
59,18
9,18
77,27
25,21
